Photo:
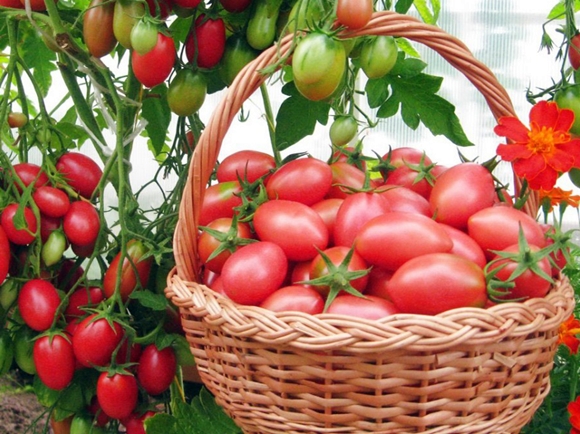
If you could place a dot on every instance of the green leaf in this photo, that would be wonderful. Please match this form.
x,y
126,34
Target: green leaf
x,y
158,115
182,351
377,92
559,10
162,423
38,58
389,108
408,67
150,299
403,6
297,117
407,47
419,102
428,14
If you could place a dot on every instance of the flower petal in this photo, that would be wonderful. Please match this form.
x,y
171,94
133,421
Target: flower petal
x,y
514,151
561,161
512,128
530,167
545,180
544,113
565,120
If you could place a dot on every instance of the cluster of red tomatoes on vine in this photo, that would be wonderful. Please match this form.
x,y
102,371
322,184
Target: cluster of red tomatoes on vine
x,y
324,236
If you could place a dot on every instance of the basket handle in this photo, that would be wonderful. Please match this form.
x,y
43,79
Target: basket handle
x,y
249,80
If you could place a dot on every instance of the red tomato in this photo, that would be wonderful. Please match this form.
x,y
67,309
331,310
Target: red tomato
x,y
68,274
392,239
51,201
38,303
403,199
378,283
355,211
235,5
81,223
449,202
305,180
30,173
298,298
81,298
48,225
207,243
528,284
35,5
4,255
117,394
160,8
134,274
188,4
16,235
354,14
465,246
98,28
95,339
434,283
574,51
327,210
54,360
300,272
153,68
497,227
16,4
336,255
369,307
411,178
405,156
345,178
254,272
156,369
129,353
94,408
293,226
134,423
206,43
219,201
81,172
246,165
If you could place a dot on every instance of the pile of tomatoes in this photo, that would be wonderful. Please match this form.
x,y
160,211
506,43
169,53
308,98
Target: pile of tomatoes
x,y
415,237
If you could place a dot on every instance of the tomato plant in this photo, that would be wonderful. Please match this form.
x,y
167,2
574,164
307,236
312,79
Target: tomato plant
x,y
95,339
206,43
38,302
154,67
156,369
186,92
117,394
133,267
98,28
55,360
81,223
81,172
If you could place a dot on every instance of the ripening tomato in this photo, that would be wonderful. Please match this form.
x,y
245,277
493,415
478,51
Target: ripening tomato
x,y
206,42
237,54
254,272
126,15
81,172
220,200
297,298
436,282
393,238
186,92
305,180
337,255
81,223
55,361
18,235
117,394
261,27
405,156
207,243
378,56
17,119
153,68
51,201
38,302
354,14
247,165
136,267
29,173
4,255
98,27
293,226
574,51
412,178
450,204
156,369
369,307
345,178
95,339
404,199
143,37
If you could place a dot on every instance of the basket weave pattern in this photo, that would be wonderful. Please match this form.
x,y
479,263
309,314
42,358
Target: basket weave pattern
x,y
463,371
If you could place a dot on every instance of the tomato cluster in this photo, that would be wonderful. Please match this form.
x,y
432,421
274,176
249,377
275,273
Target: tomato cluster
x,y
414,237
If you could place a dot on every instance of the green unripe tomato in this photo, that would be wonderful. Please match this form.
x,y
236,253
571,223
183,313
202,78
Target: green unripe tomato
x,y
237,54
378,56
186,92
6,351
569,98
53,248
342,130
143,37
8,293
127,14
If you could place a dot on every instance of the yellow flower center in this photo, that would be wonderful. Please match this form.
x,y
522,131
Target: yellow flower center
x,y
544,140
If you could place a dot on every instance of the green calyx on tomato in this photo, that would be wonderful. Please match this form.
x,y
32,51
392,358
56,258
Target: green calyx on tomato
x,y
186,92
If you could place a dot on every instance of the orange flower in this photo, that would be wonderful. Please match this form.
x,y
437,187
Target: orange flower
x,y
557,196
539,154
567,336
574,410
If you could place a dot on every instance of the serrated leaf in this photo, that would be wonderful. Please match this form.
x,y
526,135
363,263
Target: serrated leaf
x,y
389,108
162,423
408,67
428,14
158,115
297,117
38,58
405,45
377,92
150,299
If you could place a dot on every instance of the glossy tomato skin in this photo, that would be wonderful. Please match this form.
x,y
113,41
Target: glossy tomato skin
x,y
392,239
156,369
81,223
235,6
4,255
247,165
126,15
497,227
450,204
153,68
378,56
437,282
346,177
355,211
98,28
187,92
22,236
117,394
35,5
574,52
135,270
207,243
254,272
134,423
206,44
405,156
305,180
298,298
378,283
95,340
262,25
528,284
404,199
51,201
82,297
30,173
293,226
327,209
237,54
38,303
369,307
410,178
55,361
354,14
219,201
16,4
81,172
342,130
336,255
465,246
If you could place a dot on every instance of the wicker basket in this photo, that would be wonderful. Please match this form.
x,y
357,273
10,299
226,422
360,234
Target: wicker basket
x,y
463,371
